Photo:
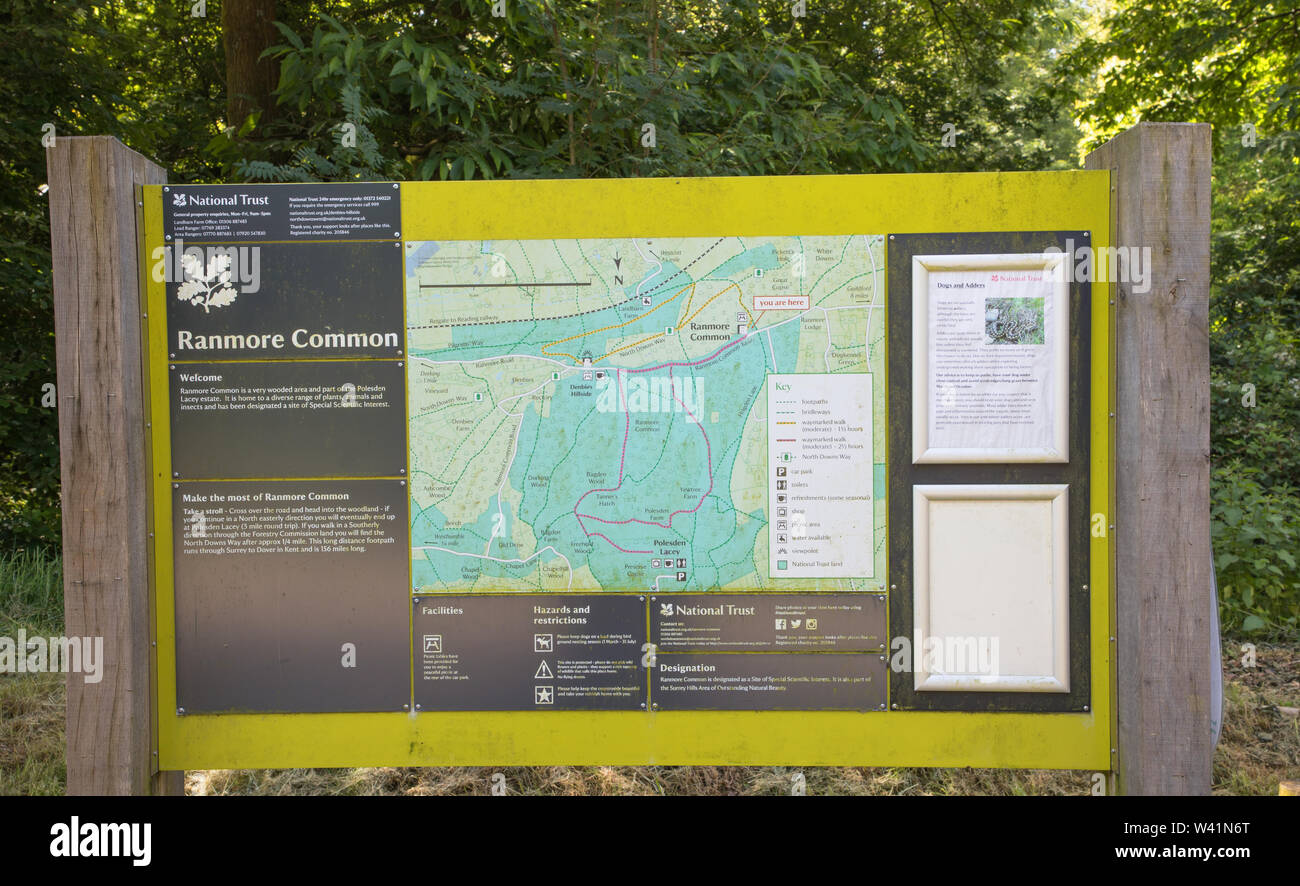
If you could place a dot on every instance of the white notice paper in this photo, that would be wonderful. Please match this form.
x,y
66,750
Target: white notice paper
x,y
996,365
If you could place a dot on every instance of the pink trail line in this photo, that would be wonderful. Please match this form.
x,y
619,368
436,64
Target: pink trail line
x,y
627,430
698,362
608,539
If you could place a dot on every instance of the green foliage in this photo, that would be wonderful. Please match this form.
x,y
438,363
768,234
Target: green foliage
x,y
1255,431
62,42
84,69
1255,313
739,88
1256,544
31,591
566,90
1227,62
1235,64
990,70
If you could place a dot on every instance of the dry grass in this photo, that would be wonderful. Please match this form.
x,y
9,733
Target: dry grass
x,y
1259,746
635,781
31,734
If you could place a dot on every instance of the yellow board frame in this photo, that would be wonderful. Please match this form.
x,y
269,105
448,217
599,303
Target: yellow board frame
x,y
741,206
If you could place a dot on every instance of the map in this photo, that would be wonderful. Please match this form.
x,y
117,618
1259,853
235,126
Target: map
x,y
625,414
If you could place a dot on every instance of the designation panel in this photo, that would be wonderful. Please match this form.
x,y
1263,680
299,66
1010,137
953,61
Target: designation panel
x,y
768,622
529,652
775,681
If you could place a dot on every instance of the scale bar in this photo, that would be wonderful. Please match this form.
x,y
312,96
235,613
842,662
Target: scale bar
x,y
494,285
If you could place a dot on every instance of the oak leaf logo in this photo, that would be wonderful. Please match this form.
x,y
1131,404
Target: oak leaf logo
x,y
207,286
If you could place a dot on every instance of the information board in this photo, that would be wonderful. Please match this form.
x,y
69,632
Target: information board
x,y
591,478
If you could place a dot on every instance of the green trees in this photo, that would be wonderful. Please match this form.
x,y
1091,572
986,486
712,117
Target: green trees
x,y
637,88
46,53
375,88
1255,382
1235,64
569,89
77,69
446,89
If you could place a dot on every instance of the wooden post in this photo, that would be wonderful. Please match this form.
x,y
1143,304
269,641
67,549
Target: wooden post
x,y
1160,199
111,736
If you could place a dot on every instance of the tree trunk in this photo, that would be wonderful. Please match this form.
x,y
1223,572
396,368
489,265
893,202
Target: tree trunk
x,y
247,30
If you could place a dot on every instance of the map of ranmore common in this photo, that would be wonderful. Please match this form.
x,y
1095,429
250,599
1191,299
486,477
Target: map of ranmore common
x,y
593,414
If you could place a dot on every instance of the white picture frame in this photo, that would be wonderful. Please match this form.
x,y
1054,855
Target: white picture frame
x,y
1056,286
992,561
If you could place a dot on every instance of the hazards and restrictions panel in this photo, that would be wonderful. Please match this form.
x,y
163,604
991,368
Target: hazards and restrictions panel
x,y
600,474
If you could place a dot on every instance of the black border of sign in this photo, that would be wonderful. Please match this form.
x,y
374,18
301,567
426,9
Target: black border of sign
x,y
903,474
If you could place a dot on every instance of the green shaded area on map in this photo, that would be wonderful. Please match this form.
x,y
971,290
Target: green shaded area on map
x,y
590,414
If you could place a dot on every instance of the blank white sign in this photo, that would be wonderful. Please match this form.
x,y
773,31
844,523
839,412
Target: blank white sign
x,y
990,600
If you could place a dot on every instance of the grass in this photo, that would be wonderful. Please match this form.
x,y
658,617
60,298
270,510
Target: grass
x,y
31,592
31,734
1260,741
638,780
1259,745
31,705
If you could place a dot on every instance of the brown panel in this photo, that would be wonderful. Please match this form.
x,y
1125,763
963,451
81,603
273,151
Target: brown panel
x,y
768,622
320,427
769,681
903,475
269,592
